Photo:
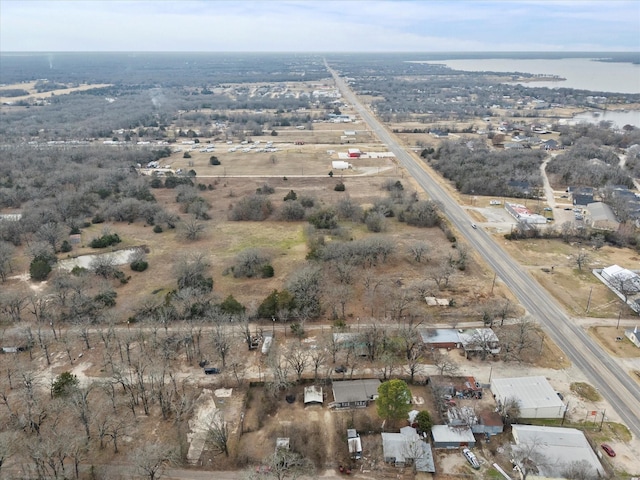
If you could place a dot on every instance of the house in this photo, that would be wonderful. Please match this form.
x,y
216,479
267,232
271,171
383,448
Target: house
x,y
550,144
481,341
621,279
355,445
547,451
406,448
313,395
489,423
535,395
440,338
439,133
581,195
447,436
354,393
601,217
634,336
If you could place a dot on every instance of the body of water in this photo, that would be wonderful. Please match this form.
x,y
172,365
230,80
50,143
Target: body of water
x,y
580,73
616,117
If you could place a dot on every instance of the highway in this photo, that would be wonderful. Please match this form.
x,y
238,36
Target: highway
x,y
613,383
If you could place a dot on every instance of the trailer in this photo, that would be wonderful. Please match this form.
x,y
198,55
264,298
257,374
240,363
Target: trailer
x,y
340,165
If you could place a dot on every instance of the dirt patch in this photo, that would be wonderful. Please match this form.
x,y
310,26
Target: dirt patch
x,y
613,339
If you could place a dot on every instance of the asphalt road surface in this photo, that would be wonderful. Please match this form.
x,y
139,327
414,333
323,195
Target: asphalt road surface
x,y
613,383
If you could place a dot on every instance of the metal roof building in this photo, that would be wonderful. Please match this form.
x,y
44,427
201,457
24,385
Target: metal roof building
x,y
537,397
355,393
446,436
555,448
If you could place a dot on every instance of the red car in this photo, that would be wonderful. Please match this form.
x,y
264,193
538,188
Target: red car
x,y
608,449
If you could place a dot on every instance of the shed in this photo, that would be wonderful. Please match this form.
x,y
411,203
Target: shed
x,y
313,395
445,436
490,423
537,397
557,446
354,393
340,165
354,152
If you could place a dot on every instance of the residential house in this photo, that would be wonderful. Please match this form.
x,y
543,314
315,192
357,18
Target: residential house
x,y
406,448
440,338
482,341
633,335
354,393
581,195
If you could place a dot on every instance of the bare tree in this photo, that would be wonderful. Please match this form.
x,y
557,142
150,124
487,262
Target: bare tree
x,y
221,342
192,228
444,363
528,457
581,259
519,338
418,250
218,434
317,356
441,275
297,357
579,470
152,459
6,256
510,410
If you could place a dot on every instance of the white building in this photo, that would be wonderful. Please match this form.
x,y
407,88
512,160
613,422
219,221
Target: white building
x,y
537,397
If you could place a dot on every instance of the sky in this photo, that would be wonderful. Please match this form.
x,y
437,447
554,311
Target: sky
x,y
319,26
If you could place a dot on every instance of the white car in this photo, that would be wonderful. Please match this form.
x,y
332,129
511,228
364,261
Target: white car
x,y
474,226
471,458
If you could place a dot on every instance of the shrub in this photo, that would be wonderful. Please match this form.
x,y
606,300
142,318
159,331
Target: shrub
x,y
107,299
64,384
105,241
340,187
252,208
265,189
307,202
231,306
290,196
213,160
291,211
98,218
186,155
267,271
324,219
39,269
139,265
157,229
65,247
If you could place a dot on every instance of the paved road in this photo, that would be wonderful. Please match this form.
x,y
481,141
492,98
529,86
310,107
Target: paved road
x,y
615,385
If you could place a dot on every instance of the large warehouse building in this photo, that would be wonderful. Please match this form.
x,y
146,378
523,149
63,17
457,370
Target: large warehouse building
x,y
537,397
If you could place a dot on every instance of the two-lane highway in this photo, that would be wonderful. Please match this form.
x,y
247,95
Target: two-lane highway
x,y
613,383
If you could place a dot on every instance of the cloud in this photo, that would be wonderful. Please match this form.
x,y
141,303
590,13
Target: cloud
x,y
384,25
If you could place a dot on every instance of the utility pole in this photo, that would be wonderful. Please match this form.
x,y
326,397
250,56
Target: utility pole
x,y
602,421
589,301
619,313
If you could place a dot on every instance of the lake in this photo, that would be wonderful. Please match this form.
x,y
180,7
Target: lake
x,y
580,73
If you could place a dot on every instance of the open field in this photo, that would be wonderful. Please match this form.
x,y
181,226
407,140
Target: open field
x,y
33,94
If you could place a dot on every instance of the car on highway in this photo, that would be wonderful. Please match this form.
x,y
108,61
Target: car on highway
x,y
474,226
607,448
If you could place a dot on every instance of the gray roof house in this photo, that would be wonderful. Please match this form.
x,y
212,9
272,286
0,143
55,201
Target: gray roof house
x,y
406,448
354,393
536,396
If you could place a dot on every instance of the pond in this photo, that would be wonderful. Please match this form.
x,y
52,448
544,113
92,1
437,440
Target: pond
x,y
120,257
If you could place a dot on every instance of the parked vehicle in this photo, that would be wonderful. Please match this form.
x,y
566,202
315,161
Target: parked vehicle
x,y
471,458
211,371
607,448
341,369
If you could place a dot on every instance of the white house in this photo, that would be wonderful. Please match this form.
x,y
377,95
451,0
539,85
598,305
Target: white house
x,y
634,336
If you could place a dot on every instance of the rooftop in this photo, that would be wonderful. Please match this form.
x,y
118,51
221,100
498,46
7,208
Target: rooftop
x,y
532,392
